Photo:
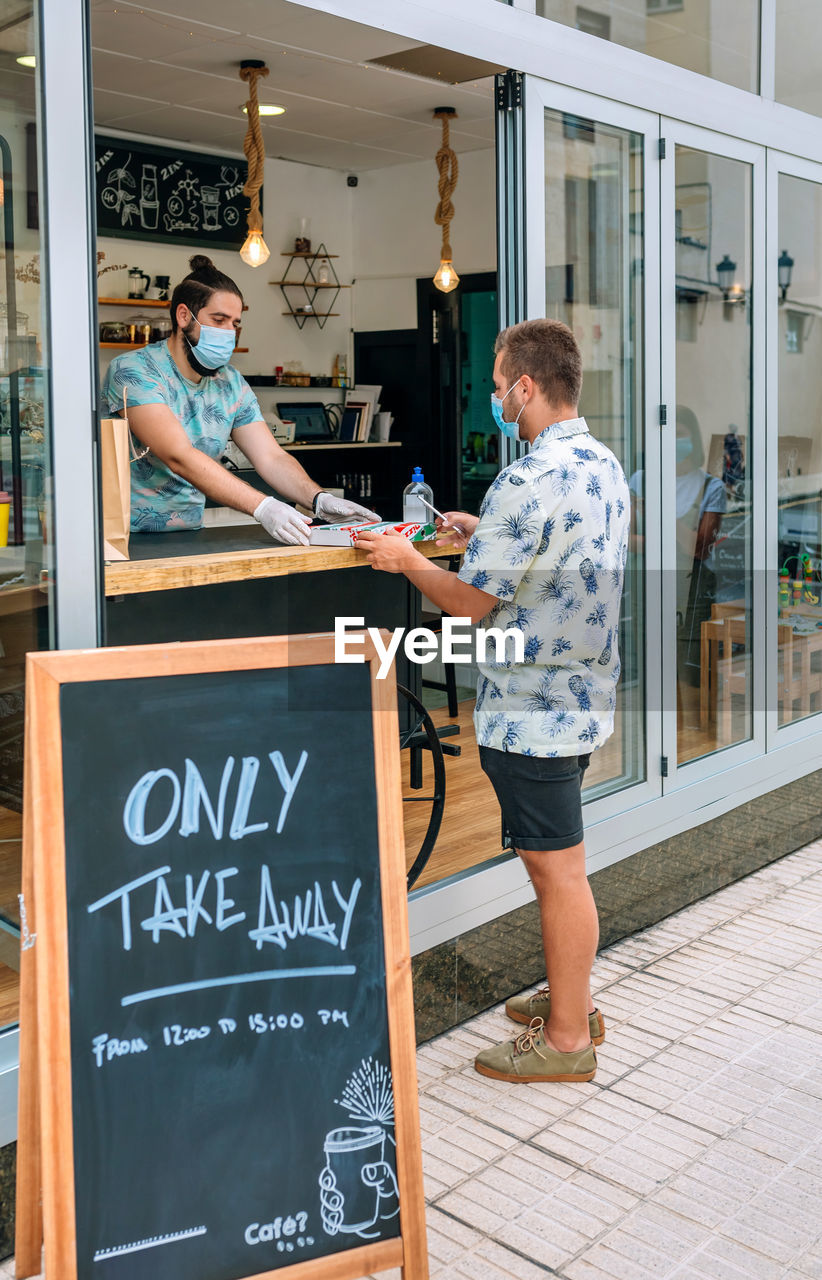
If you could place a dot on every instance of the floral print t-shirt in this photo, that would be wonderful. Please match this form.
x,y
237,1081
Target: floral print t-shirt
x,y
551,545
208,410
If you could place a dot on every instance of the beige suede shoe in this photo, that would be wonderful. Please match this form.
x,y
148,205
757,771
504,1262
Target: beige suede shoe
x,y
528,1059
524,1008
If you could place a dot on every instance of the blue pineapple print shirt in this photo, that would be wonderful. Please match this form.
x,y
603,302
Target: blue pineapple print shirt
x,y
208,410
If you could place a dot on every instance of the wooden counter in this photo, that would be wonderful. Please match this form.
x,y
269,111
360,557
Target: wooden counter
x,y
206,557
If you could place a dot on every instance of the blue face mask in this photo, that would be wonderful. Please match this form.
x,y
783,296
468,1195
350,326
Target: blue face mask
x,y
684,448
510,429
214,347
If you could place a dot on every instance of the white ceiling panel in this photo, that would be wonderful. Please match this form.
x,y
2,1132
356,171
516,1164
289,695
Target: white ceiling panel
x,y
175,75
123,29
272,20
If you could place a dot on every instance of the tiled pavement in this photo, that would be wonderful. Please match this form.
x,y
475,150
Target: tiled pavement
x,y
695,1153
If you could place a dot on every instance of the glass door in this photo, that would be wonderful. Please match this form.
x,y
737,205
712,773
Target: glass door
x,y
712,480
794,595
26,514
592,262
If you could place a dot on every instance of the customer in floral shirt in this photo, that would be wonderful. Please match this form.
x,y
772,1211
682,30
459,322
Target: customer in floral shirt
x,y
545,556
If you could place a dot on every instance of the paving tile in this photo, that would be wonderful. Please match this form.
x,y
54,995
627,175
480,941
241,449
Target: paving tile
x,y
752,1263
610,1263
810,1265
548,1245
503,1263
466,1209
649,1239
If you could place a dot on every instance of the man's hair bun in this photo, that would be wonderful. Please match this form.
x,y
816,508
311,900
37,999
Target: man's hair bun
x,y
203,280
199,262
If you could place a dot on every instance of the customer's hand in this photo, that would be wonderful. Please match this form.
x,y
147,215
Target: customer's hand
x,y
335,509
283,522
388,551
455,529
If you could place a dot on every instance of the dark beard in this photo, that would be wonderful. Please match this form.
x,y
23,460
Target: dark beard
x,y
192,359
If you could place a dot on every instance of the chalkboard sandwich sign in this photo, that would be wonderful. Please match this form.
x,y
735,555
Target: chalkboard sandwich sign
x,y
221,1084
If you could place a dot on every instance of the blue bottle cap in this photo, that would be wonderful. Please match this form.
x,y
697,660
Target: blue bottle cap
x,y
417,474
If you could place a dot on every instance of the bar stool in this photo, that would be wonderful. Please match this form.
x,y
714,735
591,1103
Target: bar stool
x,y
433,622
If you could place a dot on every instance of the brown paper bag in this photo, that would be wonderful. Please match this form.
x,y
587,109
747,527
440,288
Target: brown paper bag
x,y
115,474
117,452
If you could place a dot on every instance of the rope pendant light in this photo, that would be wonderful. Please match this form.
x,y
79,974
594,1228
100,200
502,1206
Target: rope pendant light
x,y
255,251
446,278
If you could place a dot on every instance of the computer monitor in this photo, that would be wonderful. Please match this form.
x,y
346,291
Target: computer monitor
x,y
311,424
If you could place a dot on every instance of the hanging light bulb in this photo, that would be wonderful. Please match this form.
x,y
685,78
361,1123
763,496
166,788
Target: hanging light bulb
x,y
255,251
446,278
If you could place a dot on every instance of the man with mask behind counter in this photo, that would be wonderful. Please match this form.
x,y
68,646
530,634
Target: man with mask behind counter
x,y
184,401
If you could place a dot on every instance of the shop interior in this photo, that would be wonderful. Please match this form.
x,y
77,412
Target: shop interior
x,y
349,167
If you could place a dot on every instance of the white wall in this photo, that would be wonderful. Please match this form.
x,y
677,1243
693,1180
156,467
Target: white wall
x,y
396,241
290,191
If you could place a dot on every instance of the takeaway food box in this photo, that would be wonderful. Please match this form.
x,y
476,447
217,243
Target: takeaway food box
x,y
341,535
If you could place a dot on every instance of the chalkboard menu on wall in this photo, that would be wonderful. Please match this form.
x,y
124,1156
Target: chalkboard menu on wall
x,y
163,194
238,1099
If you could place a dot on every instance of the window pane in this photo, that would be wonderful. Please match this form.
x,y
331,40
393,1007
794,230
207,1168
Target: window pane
x,y
717,38
594,283
713,527
799,453
799,54
25,554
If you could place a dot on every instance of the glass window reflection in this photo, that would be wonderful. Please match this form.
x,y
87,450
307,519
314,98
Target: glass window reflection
x,y
713,531
717,38
799,451
594,245
799,54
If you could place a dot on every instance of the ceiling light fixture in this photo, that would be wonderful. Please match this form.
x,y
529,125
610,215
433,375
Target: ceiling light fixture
x,y
255,251
268,109
446,278
27,60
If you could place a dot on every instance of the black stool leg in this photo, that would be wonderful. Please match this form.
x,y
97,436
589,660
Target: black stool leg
x,y
451,688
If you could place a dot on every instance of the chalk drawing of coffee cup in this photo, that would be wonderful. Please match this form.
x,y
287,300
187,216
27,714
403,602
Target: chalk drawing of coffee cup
x,y
357,1186
210,199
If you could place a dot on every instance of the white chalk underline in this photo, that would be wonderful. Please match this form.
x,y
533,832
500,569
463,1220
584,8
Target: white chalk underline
x,y
151,1242
237,979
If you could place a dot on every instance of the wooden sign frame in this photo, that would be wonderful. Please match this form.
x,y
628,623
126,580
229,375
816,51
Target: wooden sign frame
x,y
45,1161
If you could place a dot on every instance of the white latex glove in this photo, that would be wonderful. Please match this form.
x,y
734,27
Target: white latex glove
x,y
283,522
336,509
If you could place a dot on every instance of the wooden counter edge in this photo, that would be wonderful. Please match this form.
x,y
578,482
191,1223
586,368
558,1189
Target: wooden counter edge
x,y
131,577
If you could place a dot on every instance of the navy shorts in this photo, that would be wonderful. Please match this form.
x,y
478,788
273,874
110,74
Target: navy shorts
x,y
540,797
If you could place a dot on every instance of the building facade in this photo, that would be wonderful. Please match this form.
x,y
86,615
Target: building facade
x,y
659,187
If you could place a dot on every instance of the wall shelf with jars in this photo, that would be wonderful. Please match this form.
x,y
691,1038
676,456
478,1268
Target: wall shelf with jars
x,y
137,331
318,274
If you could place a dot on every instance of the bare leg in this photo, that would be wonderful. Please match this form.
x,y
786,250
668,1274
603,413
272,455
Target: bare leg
x,y
570,933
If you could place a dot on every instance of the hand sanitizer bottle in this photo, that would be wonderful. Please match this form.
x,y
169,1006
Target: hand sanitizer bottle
x,y
412,508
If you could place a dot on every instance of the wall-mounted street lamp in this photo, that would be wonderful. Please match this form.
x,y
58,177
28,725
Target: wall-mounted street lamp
x,y
725,273
785,265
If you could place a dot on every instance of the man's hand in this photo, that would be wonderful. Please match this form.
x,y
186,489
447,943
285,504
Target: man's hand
x,y
283,522
388,551
336,509
456,539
